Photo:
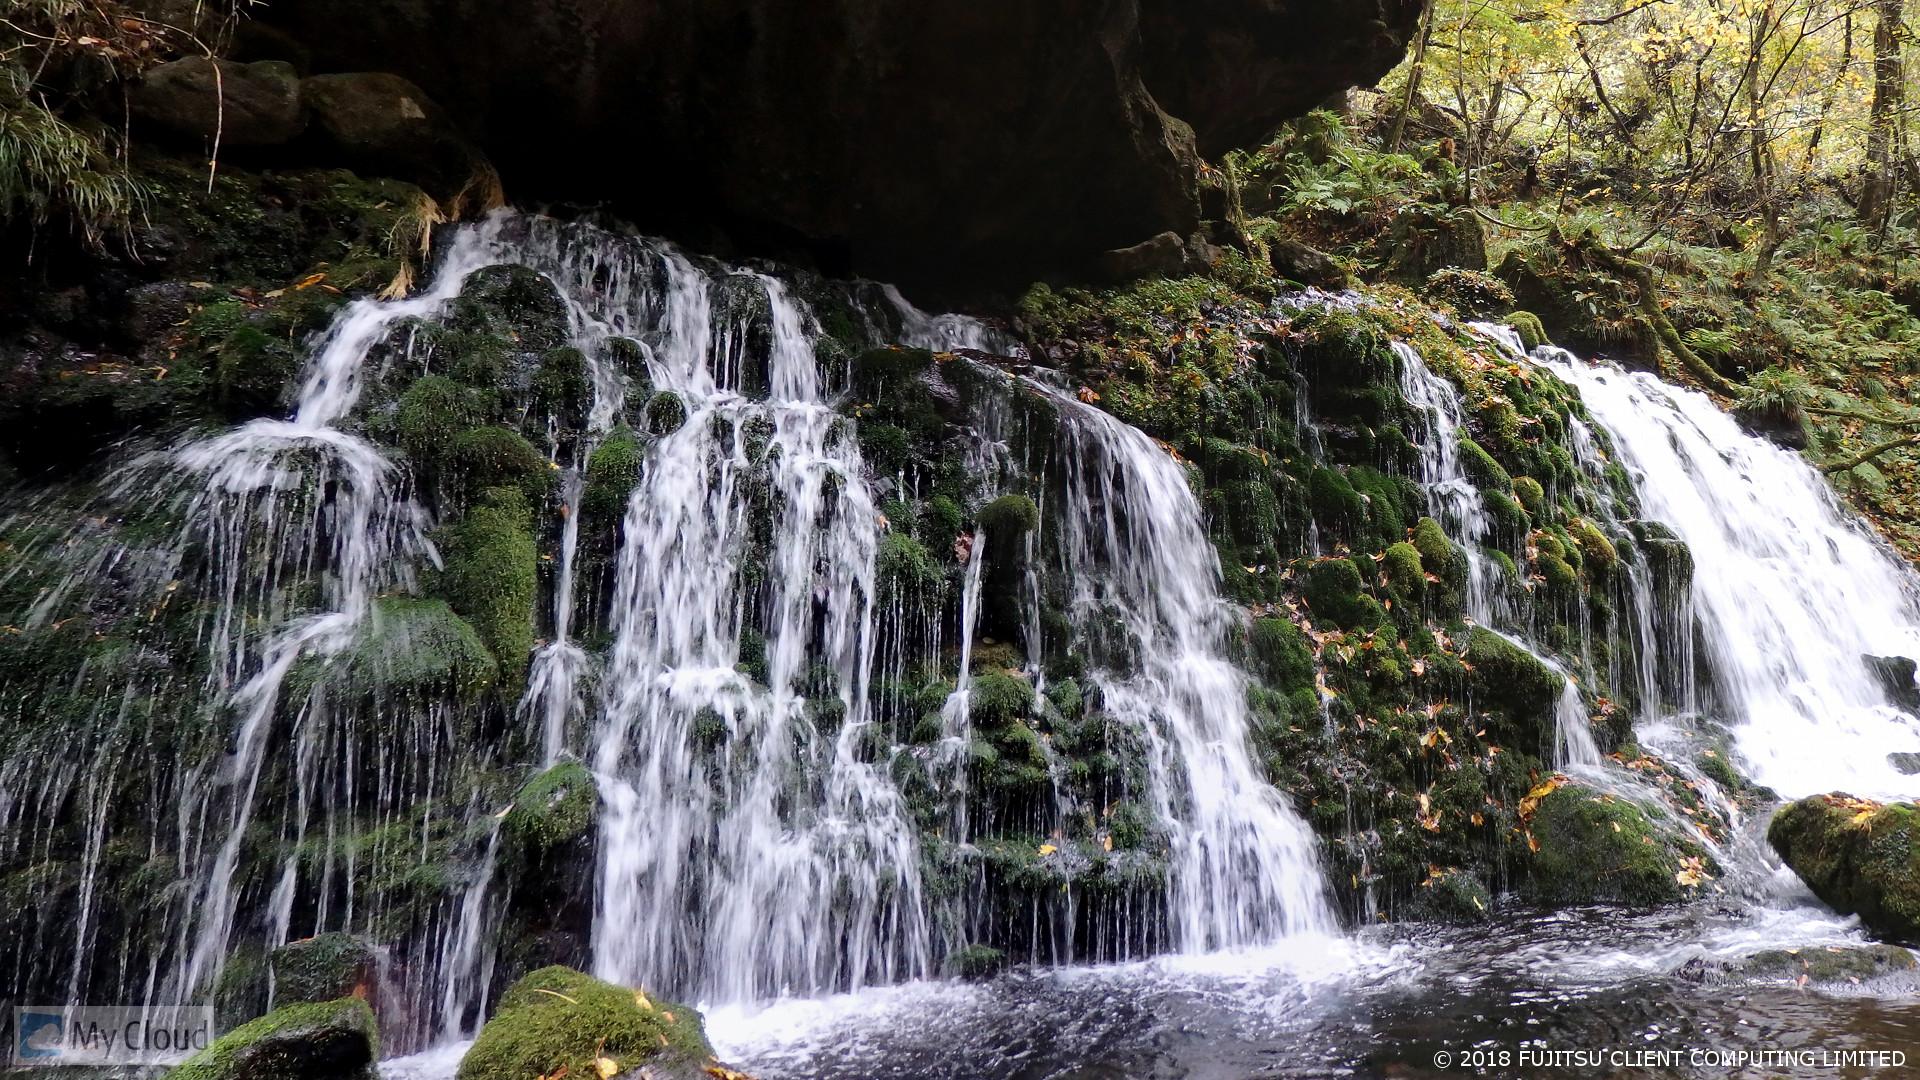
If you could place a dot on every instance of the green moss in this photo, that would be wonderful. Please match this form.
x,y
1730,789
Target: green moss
x,y
1406,573
1009,516
1533,333
1281,655
492,576
665,413
1861,858
494,457
975,962
557,1019
326,967
333,1039
254,369
1333,592
1335,504
1482,469
613,470
435,411
1510,519
561,386
1438,555
1597,553
1561,578
1531,494
1596,848
906,568
554,808
1507,677
1453,896
999,698
415,647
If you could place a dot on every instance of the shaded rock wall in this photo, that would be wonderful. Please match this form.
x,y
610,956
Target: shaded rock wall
x,y
929,143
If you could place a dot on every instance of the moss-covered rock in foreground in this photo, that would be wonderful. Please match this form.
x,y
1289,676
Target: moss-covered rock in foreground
x,y
328,1040
1830,964
1591,847
1861,857
557,1021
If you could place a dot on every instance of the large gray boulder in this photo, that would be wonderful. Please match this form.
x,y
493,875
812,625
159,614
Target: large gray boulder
x,y
974,143
248,105
383,124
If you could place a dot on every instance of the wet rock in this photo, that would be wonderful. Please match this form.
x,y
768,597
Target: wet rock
x,y
1906,761
1830,964
331,1040
1307,265
1896,676
325,967
1597,848
835,127
383,124
557,1021
247,105
1860,857
1163,255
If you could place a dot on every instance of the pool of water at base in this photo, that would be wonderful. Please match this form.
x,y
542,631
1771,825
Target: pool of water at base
x,y
1579,993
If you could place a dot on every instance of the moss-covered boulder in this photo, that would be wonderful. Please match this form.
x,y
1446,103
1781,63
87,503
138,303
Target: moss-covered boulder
x,y
1830,964
557,1021
1860,857
328,1040
1452,896
492,576
1009,516
417,647
613,469
1280,653
1509,679
1591,847
1334,592
554,808
325,967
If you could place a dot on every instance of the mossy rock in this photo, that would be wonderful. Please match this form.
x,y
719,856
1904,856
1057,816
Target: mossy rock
x,y
1281,654
415,647
999,698
1507,678
905,567
325,967
1533,333
613,470
1595,848
1597,553
1406,572
255,368
1830,964
492,576
561,385
1861,858
976,962
557,1021
329,1040
665,413
1453,897
434,412
1009,516
515,300
494,457
1480,467
1531,495
1333,592
554,808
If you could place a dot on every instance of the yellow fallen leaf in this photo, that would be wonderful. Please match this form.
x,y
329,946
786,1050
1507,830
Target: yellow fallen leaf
x,y
606,1067
640,999
1048,849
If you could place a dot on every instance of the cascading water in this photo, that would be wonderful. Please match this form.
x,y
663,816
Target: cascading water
x,y
1244,869
1791,593
1455,500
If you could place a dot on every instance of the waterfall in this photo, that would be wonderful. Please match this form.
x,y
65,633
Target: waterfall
x,y
1792,593
1244,868
1454,500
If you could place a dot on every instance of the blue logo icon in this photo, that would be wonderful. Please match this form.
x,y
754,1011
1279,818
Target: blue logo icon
x,y
40,1035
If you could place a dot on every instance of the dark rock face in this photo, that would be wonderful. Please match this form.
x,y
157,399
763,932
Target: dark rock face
x,y
245,104
948,143
1896,676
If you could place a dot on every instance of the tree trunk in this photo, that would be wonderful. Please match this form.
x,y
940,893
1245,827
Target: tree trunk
x,y
1877,192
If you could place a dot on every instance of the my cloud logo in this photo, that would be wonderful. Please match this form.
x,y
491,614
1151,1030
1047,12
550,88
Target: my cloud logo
x,y
40,1035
